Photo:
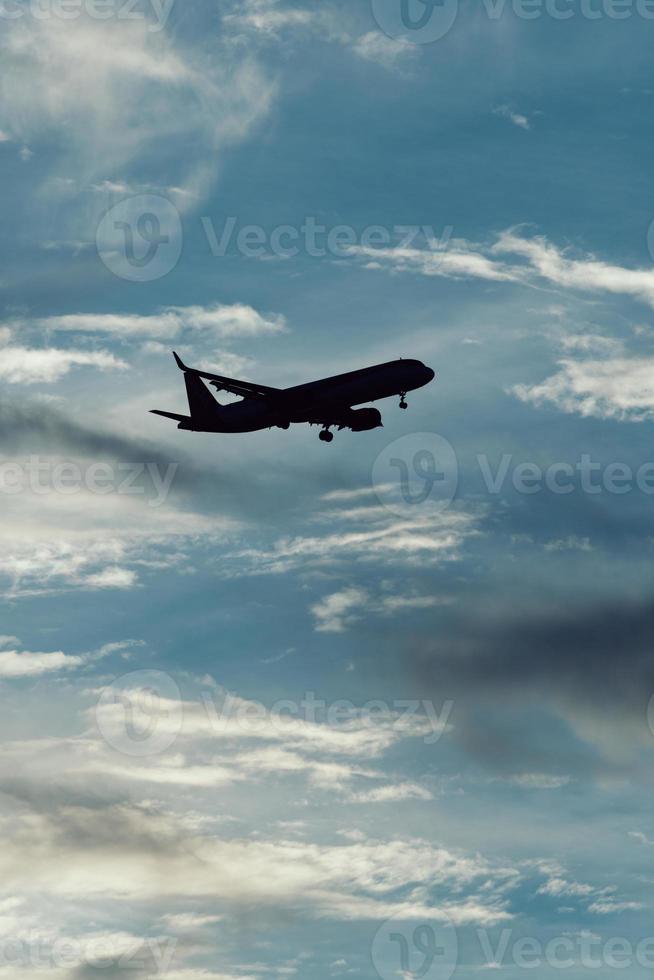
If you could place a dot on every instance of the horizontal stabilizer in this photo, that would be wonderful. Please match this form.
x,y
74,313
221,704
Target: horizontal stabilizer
x,y
171,415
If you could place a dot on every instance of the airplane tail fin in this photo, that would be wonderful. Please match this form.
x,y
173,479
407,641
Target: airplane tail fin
x,y
180,362
203,406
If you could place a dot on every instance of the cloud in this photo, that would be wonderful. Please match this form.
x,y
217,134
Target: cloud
x,y
20,663
383,50
367,533
23,365
571,543
219,320
270,20
561,661
112,578
107,94
613,388
338,612
23,664
268,17
335,613
641,837
393,793
515,117
137,854
539,780
513,258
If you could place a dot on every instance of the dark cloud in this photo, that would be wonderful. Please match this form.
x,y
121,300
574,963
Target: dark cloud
x,y
521,680
247,489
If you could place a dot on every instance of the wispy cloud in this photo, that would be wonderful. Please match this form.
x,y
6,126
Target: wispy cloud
x,y
45,365
517,118
105,94
615,388
17,663
514,258
219,320
340,610
382,50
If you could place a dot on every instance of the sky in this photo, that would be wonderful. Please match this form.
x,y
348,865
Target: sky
x,y
273,708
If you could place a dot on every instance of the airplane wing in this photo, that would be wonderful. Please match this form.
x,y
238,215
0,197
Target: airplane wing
x,y
245,389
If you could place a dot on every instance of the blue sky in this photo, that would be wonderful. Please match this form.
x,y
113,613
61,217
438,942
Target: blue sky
x,y
260,714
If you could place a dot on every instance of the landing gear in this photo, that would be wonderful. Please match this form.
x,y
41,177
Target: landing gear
x,y
403,403
326,436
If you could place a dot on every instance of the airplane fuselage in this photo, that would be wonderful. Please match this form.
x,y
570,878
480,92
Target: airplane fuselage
x,y
330,402
319,398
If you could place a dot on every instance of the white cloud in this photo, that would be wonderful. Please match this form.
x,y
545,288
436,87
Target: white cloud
x,y
270,20
25,365
641,837
383,50
237,320
513,258
611,906
335,612
107,93
112,578
392,793
517,118
339,611
268,17
221,321
23,664
539,780
414,539
134,853
618,388
587,273
588,343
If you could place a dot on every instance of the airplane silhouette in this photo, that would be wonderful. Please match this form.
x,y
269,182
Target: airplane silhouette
x,y
328,403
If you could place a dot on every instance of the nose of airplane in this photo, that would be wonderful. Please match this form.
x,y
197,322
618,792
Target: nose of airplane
x,y
429,375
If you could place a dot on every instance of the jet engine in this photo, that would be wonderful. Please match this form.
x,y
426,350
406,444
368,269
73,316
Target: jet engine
x,y
362,419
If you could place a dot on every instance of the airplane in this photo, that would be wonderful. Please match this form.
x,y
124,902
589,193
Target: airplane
x,y
328,403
